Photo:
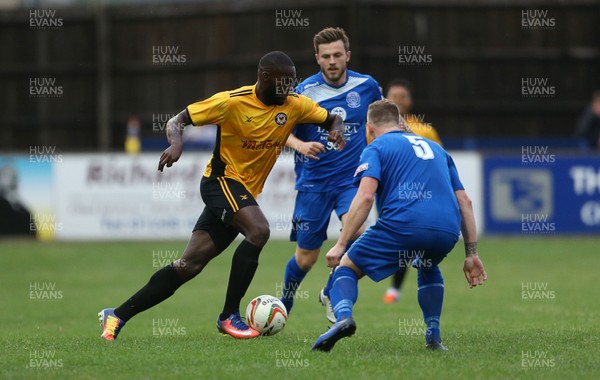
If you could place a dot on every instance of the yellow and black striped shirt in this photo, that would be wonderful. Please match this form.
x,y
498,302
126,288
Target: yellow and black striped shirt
x,y
250,134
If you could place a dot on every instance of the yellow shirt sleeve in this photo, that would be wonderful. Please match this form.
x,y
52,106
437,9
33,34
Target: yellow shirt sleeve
x,y
209,111
435,137
311,112
369,139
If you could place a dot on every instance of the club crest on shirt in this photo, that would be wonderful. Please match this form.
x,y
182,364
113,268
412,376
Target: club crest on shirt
x,y
281,118
361,168
339,111
353,99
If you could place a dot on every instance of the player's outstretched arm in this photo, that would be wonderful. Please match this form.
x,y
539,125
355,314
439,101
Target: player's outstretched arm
x,y
335,125
175,127
473,267
308,148
356,217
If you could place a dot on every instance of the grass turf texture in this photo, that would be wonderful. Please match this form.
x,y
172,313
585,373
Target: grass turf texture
x,y
487,329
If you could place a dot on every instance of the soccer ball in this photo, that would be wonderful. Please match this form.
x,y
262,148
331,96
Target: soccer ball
x,y
266,314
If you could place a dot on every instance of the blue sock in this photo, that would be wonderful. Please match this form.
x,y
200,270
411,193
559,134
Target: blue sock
x,y
329,283
291,281
344,292
431,298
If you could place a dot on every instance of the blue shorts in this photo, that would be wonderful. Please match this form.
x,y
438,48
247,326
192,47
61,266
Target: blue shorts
x,y
381,251
312,212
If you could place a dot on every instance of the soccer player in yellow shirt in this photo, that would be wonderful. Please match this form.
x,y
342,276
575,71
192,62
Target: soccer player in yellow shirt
x,y
399,91
254,123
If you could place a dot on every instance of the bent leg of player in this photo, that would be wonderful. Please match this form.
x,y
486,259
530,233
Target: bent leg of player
x,y
325,297
325,294
295,271
344,293
309,229
342,205
233,209
327,288
431,299
251,222
435,245
375,254
163,284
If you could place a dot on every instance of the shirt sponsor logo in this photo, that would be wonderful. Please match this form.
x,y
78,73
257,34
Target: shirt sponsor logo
x,y
259,145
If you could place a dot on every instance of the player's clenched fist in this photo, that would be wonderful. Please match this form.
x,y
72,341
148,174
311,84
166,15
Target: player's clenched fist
x,y
337,136
334,255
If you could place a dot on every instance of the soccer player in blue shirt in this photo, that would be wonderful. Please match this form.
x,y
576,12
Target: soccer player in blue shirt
x,y
422,209
324,183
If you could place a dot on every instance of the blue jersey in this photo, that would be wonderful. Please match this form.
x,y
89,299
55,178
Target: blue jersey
x,y
351,101
417,181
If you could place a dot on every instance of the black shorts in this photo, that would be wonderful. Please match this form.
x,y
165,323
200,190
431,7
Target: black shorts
x,y
223,198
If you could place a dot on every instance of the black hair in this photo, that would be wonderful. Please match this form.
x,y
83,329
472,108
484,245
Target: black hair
x,y
275,59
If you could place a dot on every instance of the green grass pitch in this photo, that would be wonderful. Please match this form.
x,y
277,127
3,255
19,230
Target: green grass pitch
x,y
536,317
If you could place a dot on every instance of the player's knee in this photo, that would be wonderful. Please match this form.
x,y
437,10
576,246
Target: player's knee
x,y
187,270
306,258
346,262
259,234
190,268
429,275
192,262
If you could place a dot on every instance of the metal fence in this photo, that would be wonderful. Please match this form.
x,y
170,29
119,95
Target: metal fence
x,y
71,77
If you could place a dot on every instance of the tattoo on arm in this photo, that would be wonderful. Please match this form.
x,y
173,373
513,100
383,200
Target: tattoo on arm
x,y
471,248
176,125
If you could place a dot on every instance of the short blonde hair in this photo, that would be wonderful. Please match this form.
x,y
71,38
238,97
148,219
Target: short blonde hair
x,y
383,112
